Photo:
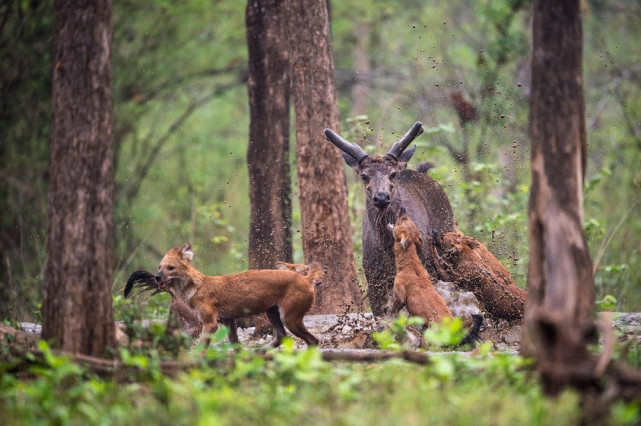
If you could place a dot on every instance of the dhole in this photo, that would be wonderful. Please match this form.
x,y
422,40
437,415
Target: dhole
x,y
413,287
284,295
473,267
261,321
300,269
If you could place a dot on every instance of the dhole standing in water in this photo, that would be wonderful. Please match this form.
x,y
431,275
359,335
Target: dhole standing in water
x,y
285,296
413,287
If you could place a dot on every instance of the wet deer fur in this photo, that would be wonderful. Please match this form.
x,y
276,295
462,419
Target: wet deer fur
x,y
388,184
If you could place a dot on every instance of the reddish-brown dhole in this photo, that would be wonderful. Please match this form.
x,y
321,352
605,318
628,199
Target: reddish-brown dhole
x,y
285,296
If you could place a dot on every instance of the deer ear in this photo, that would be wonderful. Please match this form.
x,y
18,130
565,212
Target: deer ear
x,y
186,252
351,161
406,156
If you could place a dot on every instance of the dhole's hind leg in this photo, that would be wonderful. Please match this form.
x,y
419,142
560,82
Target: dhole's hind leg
x,y
294,323
279,330
233,330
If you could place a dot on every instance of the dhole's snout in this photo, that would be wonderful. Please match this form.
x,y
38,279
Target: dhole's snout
x,y
162,283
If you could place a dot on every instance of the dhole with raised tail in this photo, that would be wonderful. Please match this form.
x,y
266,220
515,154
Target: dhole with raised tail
x,y
285,296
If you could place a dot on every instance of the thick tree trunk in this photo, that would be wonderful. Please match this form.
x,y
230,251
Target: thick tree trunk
x,y
560,304
326,231
270,238
77,308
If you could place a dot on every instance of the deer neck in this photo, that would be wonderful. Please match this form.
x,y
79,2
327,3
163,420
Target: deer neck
x,y
379,219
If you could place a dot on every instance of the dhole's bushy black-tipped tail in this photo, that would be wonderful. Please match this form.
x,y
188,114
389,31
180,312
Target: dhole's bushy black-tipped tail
x,y
473,336
140,279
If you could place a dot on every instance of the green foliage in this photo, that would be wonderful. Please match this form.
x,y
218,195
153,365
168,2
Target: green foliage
x,y
294,387
25,111
438,336
291,386
608,303
632,355
161,338
449,333
395,337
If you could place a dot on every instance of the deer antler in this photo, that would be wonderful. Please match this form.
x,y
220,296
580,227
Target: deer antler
x,y
402,143
353,150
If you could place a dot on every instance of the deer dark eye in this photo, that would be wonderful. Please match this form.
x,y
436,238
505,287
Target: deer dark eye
x,y
392,175
365,178
171,268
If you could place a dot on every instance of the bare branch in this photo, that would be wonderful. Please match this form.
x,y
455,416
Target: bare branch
x,y
144,168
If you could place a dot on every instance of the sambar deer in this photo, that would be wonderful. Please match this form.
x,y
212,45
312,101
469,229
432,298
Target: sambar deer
x,y
389,185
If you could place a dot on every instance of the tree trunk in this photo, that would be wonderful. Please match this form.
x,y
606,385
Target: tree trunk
x,y
270,235
326,230
560,304
270,238
77,309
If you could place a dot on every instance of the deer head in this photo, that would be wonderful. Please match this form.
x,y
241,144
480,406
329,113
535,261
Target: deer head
x,y
378,173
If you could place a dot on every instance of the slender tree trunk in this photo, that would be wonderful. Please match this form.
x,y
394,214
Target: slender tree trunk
x,y
326,231
77,309
560,305
270,238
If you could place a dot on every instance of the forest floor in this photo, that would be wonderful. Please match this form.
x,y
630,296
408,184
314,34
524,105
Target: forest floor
x,y
354,331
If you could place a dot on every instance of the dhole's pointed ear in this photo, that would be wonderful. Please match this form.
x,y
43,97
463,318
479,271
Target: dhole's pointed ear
x,y
186,252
